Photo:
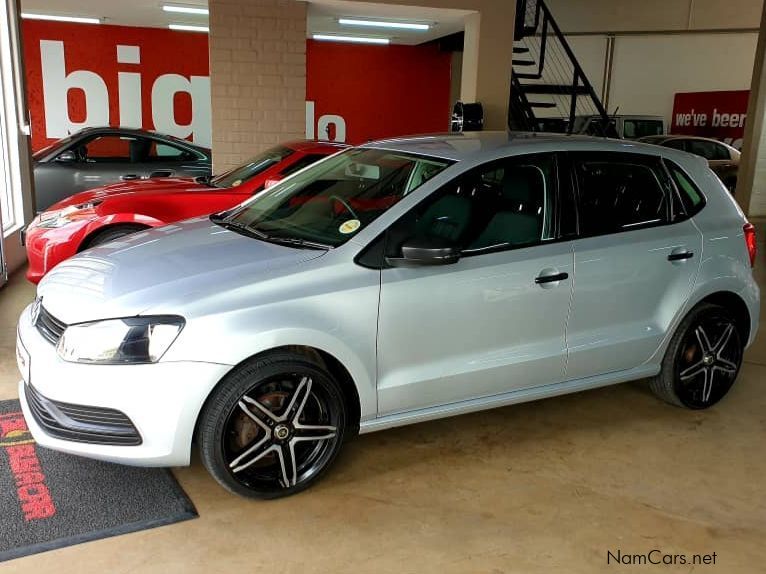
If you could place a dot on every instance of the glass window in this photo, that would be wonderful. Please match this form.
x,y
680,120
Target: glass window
x,y
329,202
619,195
299,164
504,204
676,144
111,149
159,151
707,149
690,195
252,167
634,129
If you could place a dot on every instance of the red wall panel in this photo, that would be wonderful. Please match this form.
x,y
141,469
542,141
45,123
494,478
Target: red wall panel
x,y
94,48
380,91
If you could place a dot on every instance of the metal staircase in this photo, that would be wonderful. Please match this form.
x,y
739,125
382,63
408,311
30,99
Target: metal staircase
x,y
549,89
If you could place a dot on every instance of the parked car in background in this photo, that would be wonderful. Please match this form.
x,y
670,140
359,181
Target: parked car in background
x,y
722,158
94,157
627,127
401,281
94,217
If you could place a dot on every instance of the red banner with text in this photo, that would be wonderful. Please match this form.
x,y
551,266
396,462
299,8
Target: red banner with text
x,y
720,115
95,75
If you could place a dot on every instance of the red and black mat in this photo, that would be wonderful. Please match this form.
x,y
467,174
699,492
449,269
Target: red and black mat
x,y
49,499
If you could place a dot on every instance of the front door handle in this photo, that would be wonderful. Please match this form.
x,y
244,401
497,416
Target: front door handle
x,y
129,176
680,255
540,279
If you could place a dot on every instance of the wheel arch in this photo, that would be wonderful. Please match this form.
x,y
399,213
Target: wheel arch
x,y
734,303
324,358
114,221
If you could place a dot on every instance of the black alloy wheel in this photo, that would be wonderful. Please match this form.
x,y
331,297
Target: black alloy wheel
x,y
703,359
273,426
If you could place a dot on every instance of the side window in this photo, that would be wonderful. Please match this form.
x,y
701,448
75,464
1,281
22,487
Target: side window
x,y
299,164
160,151
702,148
690,194
639,128
109,149
721,152
620,193
676,144
503,204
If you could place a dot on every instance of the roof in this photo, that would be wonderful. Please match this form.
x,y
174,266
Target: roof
x,y
474,145
309,145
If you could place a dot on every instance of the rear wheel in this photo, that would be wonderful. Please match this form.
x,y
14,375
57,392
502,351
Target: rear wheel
x,y
112,233
702,360
273,426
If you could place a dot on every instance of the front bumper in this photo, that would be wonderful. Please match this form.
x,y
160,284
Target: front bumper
x,y
161,400
47,247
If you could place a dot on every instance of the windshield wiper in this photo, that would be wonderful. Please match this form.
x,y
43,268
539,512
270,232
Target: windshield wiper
x,y
221,220
305,243
238,227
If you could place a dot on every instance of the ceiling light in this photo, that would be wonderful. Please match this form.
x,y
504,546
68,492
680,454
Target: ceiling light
x,y
359,39
188,28
185,9
383,24
55,18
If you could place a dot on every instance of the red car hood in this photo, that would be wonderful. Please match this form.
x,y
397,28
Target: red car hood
x,y
153,186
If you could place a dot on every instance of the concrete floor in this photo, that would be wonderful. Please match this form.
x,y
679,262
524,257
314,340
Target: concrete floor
x,y
544,487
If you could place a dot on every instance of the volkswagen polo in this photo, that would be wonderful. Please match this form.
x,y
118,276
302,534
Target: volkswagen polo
x,y
393,283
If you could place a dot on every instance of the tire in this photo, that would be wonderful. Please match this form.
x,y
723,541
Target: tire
x,y
702,360
278,408
112,233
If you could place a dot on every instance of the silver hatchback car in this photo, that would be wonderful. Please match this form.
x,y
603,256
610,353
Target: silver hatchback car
x,y
393,283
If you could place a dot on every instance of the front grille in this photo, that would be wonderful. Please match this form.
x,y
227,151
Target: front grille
x,y
80,423
49,327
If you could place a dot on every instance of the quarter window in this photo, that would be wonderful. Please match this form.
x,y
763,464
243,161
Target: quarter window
x,y
690,195
620,195
504,204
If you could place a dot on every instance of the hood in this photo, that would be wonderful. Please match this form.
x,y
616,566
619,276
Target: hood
x,y
163,267
157,185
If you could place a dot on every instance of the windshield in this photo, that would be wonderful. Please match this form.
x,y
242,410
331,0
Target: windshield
x,y
252,167
334,199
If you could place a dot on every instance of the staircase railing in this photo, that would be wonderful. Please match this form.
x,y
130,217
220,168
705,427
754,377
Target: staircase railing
x,y
545,65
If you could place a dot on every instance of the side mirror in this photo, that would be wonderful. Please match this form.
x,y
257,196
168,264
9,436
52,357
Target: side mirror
x,y
66,157
420,251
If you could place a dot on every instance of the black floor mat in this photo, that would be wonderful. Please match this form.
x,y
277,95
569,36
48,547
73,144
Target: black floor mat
x,y
49,499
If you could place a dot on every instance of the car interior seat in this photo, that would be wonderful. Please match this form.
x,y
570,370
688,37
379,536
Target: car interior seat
x,y
519,217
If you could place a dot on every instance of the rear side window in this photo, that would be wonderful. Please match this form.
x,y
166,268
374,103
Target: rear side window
x,y
635,129
690,195
620,194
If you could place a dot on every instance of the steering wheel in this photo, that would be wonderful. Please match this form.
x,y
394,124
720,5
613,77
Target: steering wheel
x,y
346,205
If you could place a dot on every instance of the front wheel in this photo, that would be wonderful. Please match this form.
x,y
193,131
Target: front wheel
x,y
702,360
273,426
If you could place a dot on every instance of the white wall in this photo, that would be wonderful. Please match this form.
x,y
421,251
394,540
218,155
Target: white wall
x,y
648,70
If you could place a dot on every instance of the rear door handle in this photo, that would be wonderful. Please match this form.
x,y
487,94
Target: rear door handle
x,y
540,279
129,176
680,256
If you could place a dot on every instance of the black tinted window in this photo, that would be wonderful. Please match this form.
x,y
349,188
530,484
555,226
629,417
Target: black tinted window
x,y
619,195
506,203
708,150
639,128
676,144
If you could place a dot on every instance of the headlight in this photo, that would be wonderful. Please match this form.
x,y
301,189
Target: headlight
x,y
61,217
120,341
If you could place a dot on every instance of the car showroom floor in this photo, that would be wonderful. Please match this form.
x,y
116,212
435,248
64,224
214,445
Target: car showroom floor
x,y
549,486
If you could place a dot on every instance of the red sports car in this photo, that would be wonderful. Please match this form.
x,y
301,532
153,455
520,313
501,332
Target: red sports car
x,y
103,214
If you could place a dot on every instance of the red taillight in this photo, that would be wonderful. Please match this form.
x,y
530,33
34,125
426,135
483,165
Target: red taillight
x,y
749,230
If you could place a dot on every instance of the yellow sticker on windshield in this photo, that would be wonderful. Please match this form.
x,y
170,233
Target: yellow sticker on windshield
x,y
350,226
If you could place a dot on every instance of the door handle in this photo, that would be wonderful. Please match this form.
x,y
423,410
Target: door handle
x,y
129,176
540,279
680,256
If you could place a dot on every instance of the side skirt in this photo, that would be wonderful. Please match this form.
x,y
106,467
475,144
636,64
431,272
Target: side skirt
x,y
504,399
